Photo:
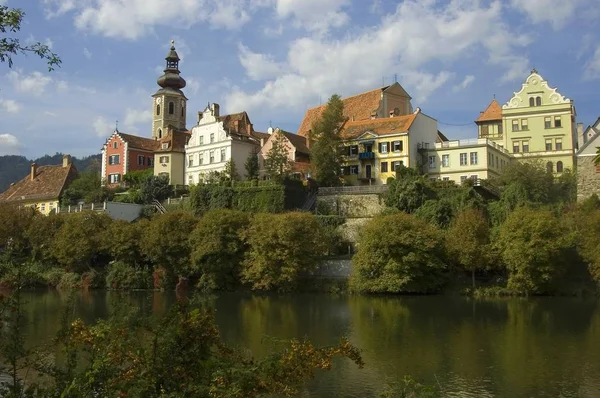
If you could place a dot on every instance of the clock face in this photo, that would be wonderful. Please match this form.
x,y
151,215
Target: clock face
x,y
158,100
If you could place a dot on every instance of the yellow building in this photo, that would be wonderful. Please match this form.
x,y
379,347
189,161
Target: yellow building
x,y
537,123
42,188
375,147
462,159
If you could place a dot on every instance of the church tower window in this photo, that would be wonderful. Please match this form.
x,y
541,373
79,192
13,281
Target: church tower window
x,y
159,133
171,108
158,109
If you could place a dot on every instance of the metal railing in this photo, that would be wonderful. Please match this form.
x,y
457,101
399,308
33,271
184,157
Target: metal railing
x,y
353,190
82,207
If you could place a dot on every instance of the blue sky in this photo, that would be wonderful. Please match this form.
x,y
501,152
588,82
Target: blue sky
x,y
276,58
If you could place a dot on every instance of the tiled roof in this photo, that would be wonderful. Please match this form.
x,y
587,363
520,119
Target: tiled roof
x,y
48,183
175,140
441,137
135,142
260,136
493,112
382,126
357,107
297,141
229,121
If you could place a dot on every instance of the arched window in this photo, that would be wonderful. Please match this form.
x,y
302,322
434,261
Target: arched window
x,y
559,167
531,102
182,111
171,108
549,167
158,109
159,133
538,101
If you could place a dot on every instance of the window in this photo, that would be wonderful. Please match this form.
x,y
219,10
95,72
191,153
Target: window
x,y
531,101
485,130
525,146
473,158
201,158
158,109
150,161
548,145
463,178
432,162
163,159
397,146
353,150
475,178
559,167
191,161
397,164
223,155
445,160
557,121
201,140
182,111
115,145
212,137
141,160
446,179
114,178
515,125
384,167
558,144
549,167
524,125
383,147
113,159
516,147
354,169
43,207
159,133
211,157
547,123
496,161
165,145
538,101
500,129
463,159
171,108
190,180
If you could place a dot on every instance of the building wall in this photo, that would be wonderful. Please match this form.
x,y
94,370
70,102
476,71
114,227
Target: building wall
x,y
588,174
395,97
133,161
495,131
108,151
45,206
162,119
422,134
268,145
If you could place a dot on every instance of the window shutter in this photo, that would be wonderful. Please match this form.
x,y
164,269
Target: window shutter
x,y
379,147
401,146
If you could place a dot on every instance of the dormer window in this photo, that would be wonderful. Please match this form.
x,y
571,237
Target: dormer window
x,y
165,145
115,145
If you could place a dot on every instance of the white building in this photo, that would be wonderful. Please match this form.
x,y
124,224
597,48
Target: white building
x,y
215,140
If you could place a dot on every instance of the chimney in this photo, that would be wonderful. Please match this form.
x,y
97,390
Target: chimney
x,y
200,115
391,113
66,161
33,171
215,110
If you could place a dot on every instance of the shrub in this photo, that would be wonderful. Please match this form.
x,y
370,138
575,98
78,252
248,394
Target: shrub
x,y
121,276
92,280
69,281
398,253
53,276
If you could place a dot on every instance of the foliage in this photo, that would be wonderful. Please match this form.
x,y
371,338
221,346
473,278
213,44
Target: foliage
x,y
122,240
10,21
79,242
69,281
155,188
122,276
231,171
252,167
86,187
281,248
332,236
326,143
535,250
589,239
165,241
13,224
409,191
218,248
597,157
467,241
408,388
136,178
40,234
398,253
277,162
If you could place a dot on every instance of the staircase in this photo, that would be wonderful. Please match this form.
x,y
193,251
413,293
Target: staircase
x,y
310,201
159,207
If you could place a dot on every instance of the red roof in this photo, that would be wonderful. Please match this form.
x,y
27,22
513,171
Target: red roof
x,y
492,113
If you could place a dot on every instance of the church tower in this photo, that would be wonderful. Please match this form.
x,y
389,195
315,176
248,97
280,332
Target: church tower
x,y
169,102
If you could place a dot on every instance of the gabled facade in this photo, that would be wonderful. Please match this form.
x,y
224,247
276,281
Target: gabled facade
x,y
539,124
489,123
42,188
169,157
375,147
297,148
588,174
215,140
379,103
123,153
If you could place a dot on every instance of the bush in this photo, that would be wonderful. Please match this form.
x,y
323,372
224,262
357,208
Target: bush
x,y
92,280
121,276
281,248
398,253
53,276
69,281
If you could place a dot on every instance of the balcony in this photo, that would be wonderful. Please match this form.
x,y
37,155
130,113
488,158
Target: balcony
x,y
366,155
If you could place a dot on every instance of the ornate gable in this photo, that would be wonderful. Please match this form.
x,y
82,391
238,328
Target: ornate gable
x,y
535,87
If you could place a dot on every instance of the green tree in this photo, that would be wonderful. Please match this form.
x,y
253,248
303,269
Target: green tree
x,y
588,224
277,162
597,157
535,249
135,179
10,23
87,187
122,240
155,188
281,248
231,171
252,166
165,242
398,253
326,143
40,234
467,241
408,191
14,221
218,248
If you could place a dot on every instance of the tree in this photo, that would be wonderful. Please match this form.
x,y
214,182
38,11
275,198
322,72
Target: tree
x,y
155,188
87,187
41,233
326,143
277,162
597,157
231,171
467,241
398,253
409,191
252,166
10,22
135,179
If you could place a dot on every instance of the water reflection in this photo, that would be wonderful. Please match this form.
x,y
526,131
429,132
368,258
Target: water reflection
x,y
499,348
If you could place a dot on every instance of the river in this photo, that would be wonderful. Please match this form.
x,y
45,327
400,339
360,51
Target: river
x,y
540,347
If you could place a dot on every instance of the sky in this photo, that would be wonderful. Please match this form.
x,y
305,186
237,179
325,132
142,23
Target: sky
x,y
277,58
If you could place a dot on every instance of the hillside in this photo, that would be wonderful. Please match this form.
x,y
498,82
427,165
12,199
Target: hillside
x,y
13,168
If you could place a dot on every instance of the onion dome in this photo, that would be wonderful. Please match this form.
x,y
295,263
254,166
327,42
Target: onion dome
x,y
171,78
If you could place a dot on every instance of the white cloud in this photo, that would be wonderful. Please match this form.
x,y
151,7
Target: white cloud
x,y
35,83
183,50
192,85
48,113
10,106
55,8
411,40
9,144
273,30
87,53
592,67
134,117
556,12
465,83
62,86
304,13
102,127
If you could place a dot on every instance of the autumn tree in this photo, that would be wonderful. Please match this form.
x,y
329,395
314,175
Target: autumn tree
x,y
252,166
326,143
10,23
277,163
